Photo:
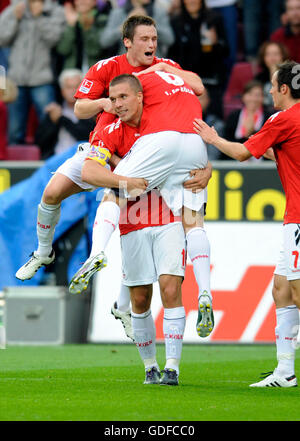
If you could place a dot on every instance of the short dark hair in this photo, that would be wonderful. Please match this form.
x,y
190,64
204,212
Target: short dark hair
x,y
132,80
132,22
286,74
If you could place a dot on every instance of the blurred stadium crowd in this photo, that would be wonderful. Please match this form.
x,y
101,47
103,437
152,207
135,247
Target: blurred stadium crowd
x,y
46,47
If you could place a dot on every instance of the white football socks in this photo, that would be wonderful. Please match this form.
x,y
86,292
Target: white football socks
x,y
47,219
123,301
144,333
198,249
173,327
106,221
286,333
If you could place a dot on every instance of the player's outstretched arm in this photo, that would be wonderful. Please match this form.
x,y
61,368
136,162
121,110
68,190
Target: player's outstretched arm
x,y
235,150
200,178
86,108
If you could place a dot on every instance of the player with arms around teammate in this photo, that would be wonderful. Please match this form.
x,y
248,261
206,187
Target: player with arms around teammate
x,y
282,133
140,40
153,248
168,103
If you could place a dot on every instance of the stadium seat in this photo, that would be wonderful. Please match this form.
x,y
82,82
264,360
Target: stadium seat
x,y
241,74
23,153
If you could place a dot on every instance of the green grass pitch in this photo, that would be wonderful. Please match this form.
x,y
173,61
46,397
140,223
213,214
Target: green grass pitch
x,y
92,382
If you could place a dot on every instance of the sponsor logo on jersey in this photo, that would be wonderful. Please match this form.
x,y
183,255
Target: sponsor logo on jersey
x,y
86,86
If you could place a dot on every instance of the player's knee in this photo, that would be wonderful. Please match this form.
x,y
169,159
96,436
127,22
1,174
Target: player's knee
x,y
170,294
140,303
51,196
295,291
281,291
275,292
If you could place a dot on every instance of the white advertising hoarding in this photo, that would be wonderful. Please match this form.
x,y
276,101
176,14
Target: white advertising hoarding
x,y
243,258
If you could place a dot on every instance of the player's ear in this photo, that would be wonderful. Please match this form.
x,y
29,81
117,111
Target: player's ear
x,y
127,43
140,96
284,89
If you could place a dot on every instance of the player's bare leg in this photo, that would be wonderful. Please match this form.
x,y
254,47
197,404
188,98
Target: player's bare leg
x,y
106,221
198,249
287,317
59,188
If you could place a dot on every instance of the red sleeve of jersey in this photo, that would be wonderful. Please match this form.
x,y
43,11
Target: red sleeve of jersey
x,y
93,85
272,132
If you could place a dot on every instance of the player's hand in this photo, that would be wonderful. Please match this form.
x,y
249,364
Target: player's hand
x,y
200,179
208,134
269,154
136,186
158,66
106,105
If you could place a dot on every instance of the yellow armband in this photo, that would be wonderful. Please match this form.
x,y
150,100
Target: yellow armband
x,y
99,154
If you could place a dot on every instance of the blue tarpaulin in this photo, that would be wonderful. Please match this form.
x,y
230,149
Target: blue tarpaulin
x,y
18,214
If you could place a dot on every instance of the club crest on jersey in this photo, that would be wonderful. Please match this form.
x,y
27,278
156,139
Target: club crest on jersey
x,y
86,86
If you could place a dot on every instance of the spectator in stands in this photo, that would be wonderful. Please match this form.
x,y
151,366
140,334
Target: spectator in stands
x,y
201,46
260,19
212,120
270,55
228,10
289,34
112,33
248,120
60,129
79,45
30,29
4,52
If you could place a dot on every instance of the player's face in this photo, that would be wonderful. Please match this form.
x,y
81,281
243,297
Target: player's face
x,y
126,103
141,50
276,94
